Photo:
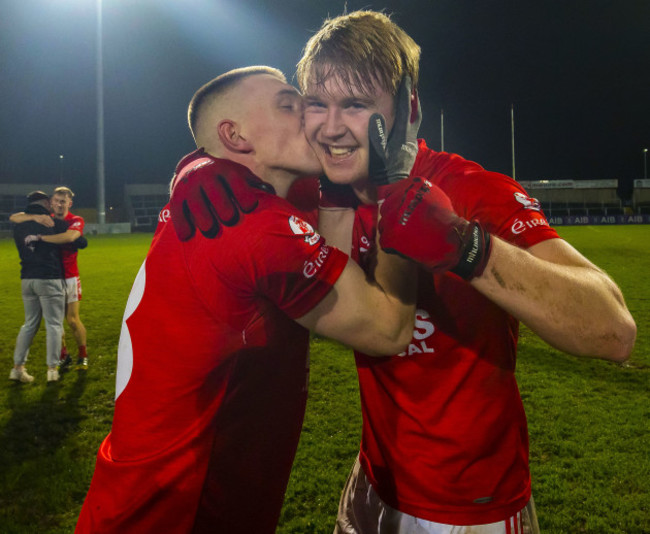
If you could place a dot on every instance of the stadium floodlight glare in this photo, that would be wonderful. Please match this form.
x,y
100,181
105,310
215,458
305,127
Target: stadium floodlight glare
x,y
645,163
101,208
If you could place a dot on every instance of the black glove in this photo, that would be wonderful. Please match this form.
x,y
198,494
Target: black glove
x,y
77,244
392,160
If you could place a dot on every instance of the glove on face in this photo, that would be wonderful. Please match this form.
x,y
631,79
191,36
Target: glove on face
x,y
418,222
389,160
392,159
209,193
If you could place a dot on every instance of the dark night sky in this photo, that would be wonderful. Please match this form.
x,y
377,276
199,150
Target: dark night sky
x,y
578,73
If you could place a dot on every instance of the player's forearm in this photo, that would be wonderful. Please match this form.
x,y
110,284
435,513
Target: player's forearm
x,y
397,279
61,239
361,314
575,308
22,217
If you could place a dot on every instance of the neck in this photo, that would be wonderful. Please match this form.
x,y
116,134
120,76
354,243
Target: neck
x,y
280,179
366,193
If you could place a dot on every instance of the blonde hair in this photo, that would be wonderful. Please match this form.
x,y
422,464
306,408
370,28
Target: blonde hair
x,y
62,190
362,48
218,86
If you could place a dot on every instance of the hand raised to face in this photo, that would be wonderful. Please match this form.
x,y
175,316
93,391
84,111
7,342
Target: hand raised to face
x,y
418,222
392,156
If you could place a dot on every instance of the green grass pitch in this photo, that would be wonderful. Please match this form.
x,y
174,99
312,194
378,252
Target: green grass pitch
x,y
588,420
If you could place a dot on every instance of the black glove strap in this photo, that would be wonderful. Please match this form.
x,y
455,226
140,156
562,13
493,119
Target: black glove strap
x,y
475,254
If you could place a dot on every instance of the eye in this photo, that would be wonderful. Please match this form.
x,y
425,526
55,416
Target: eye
x,y
289,103
314,104
357,105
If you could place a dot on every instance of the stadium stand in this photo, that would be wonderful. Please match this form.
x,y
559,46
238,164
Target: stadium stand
x,y
559,198
576,197
143,204
641,196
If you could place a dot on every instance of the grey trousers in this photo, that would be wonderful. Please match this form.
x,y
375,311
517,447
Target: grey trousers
x,y
41,299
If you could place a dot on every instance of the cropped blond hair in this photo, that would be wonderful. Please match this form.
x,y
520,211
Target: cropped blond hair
x,y
62,190
219,85
362,48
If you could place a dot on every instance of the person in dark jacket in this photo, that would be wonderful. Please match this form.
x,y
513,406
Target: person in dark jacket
x,y
41,273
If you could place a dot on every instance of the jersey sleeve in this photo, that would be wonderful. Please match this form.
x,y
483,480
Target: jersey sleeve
x,y
295,267
276,255
496,200
76,223
304,195
504,208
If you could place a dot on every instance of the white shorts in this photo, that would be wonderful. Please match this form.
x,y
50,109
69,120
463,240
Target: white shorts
x,y
72,289
361,511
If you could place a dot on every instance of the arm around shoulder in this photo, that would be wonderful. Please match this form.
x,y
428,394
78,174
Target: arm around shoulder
x,y
21,217
63,238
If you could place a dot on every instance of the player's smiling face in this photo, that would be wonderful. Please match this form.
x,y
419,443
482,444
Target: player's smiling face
x,y
336,125
60,204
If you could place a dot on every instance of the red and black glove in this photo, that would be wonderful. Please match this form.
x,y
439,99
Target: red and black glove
x,y
208,193
418,222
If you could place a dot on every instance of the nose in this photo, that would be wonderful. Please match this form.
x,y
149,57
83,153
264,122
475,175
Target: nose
x,y
333,127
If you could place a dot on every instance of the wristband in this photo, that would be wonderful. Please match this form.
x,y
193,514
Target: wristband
x,y
475,253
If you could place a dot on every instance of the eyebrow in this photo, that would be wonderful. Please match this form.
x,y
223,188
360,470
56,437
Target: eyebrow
x,y
287,92
344,101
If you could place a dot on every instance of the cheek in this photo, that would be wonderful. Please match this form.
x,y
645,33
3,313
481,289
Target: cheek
x,y
358,126
312,122
360,131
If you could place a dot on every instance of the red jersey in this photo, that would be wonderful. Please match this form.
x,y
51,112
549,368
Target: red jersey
x,y
69,257
444,430
212,378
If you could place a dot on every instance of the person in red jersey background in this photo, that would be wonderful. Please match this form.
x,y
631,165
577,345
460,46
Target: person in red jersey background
x,y
444,442
213,361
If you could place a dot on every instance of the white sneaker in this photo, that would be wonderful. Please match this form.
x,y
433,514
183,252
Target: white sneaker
x,y
52,375
21,376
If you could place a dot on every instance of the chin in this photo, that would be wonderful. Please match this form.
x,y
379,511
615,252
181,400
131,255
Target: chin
x,y
312,169
308,170
343,177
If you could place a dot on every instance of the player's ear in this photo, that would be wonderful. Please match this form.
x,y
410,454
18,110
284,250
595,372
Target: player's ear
x,y
231,138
